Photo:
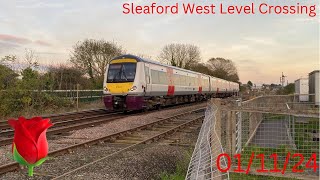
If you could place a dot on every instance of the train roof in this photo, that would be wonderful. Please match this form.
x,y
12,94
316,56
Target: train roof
x,y
139,59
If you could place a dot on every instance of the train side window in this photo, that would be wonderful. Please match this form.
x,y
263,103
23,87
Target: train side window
x,y
155,77
163,78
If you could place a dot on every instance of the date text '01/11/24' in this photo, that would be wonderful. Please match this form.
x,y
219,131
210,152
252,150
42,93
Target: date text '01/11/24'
x,y
296,168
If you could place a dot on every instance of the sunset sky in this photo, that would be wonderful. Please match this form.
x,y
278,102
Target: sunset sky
x,y
262,46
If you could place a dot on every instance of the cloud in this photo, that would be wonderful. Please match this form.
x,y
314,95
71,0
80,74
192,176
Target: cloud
x,y
308,20
7,46
10,40
42,43
41,5
260,40
14,39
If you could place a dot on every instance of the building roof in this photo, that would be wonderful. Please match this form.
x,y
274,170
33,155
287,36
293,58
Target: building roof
x,y
313,72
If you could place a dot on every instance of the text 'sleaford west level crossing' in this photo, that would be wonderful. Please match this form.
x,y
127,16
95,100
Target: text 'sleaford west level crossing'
x,y
220,8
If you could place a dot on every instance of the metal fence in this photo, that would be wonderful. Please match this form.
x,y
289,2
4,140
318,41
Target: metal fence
x,y
208,148
83,95
256,139
73,94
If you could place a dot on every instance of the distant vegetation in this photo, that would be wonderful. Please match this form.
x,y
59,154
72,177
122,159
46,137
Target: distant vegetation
x,y
188,56
288,89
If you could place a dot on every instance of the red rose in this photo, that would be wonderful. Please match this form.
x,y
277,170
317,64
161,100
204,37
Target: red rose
x,y
30,146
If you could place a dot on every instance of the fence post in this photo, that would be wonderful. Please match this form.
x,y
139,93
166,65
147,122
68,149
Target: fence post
x,y
216,135
77,97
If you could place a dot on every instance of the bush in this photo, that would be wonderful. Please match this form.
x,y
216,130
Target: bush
x,y
17,102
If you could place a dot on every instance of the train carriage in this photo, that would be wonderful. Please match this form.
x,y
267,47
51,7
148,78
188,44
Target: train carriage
x,y
133,83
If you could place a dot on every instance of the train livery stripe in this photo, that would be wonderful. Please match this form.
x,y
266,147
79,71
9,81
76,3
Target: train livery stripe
x,y
123,61
170,90
171,84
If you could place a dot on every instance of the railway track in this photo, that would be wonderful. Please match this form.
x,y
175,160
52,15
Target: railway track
x,y
73,121
143,134
68,125
57,117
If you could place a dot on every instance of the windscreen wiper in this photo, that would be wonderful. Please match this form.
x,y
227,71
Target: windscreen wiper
x,y
115,76
124,74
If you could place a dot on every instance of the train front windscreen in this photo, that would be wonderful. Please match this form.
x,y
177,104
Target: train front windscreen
x,y
121,72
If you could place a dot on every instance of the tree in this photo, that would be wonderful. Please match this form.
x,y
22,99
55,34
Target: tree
x,y
64,78
30,79
250,84
8,77
201,68
30,58
8,58
224,69
180,55
288,89
92,56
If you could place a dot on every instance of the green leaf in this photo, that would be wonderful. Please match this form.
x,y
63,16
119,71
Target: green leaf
x,y
17,157
38,163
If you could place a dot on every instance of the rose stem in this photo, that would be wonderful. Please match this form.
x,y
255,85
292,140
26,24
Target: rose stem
x,y
30,170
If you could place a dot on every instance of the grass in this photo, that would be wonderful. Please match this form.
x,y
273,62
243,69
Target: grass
x,y
181,168
47,111
235,176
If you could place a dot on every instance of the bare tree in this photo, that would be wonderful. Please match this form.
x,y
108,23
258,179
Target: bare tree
x,y
223,68
92,56
180,55
30,58
8,58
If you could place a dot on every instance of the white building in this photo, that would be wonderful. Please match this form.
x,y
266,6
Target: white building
x,y
302,89
314,86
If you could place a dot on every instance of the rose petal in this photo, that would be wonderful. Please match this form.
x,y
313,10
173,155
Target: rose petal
x,y
37,128
33,120
12,123
25,144
22,119
42,145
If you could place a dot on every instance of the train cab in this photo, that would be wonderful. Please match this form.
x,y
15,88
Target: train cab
x,y
124,83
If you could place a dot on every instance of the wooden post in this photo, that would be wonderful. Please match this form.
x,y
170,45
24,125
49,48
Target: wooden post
x,y
77,97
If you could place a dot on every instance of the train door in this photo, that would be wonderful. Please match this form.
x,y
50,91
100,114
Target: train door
x,y
148,88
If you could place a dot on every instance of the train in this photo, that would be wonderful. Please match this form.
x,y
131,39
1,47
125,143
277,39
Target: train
x,y
135,83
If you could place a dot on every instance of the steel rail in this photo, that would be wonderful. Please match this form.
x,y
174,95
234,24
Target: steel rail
x,y
63,123
57,117
147,141
84,122
7,141
110,138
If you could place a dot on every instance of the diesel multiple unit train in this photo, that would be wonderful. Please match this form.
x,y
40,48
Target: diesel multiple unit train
x,y
134,83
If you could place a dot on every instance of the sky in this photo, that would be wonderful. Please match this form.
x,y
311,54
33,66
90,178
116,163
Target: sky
x,y
261,46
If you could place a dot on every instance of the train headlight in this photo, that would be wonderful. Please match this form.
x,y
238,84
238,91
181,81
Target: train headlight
x,y
133,88
106,89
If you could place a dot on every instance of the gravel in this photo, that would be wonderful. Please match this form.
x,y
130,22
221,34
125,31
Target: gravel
x,y
67,162
140,162
143,162
81,135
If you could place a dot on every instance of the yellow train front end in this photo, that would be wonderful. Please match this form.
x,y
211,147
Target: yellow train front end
x,y
119,86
